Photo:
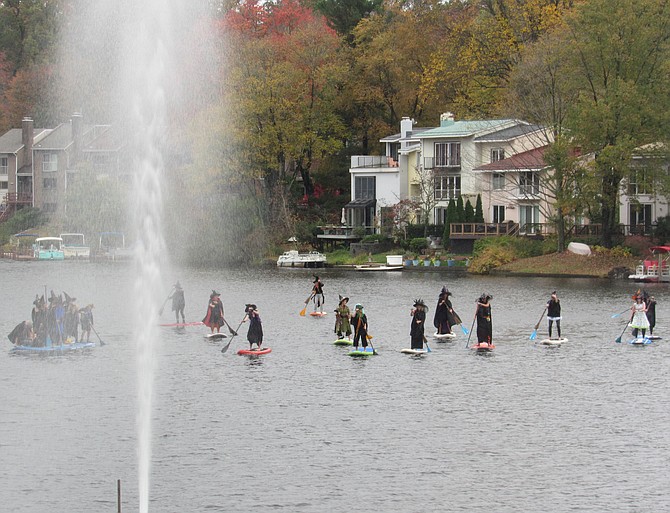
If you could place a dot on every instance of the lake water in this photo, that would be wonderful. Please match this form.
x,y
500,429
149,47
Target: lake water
x,y
583,427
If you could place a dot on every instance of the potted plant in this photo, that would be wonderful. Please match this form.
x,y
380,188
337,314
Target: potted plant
x,y
427,261
437,262
408,260
450,261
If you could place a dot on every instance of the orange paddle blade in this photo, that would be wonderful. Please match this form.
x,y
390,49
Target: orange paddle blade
x,y
302,312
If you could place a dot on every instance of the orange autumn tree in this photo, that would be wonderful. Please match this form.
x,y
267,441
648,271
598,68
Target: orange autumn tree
x,y
281,82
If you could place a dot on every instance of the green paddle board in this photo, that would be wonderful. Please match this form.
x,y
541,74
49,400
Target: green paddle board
x,y
361,354
343,342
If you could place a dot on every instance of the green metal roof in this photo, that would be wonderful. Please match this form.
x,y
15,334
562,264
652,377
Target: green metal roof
x,y
467,128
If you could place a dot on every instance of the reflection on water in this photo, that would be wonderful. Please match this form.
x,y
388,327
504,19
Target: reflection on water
x,y
306,428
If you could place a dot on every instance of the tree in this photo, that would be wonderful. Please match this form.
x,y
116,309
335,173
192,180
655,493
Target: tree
x,y
344,15
469,212
479,211
459,215
283,80
619,52
450,218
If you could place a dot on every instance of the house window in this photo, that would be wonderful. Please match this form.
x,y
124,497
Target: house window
x,y
498,213
529,183
4,166
497,154
639,182
393,150
640,219
4,185
447,154
364,187
447,187
50,162
529,218
440,215
49,183
498,181
49,208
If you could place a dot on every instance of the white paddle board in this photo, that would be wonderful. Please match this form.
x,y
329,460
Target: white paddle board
x,y
407,350
215,336
444,336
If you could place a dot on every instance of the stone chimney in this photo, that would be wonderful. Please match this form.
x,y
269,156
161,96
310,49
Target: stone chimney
x,y
27,137
77,130
447,119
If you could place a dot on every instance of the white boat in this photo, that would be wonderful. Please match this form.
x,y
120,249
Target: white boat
x,y
293,258
48,248
74,246
654,269
393,263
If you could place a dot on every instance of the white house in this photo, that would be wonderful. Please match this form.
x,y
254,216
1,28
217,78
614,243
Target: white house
x,y
432,166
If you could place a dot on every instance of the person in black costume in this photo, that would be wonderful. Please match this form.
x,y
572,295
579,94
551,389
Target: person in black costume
x,y
554,313
317,294
484,324
418,314
651,312
22,334
441,318
178,302
360,324
255,333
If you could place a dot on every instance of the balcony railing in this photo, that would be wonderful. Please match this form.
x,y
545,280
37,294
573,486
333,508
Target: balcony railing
x,y
372,161
447,195
21,198
432,163
478,230
344,232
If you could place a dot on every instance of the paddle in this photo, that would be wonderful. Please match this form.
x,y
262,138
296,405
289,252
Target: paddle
x,y
533,335
618,339
234,333
464,329
620,313
96,334
473,326
231,330
302,312
160,312
370,342
427,346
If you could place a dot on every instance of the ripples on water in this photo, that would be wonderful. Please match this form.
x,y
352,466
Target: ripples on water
x,y
306,429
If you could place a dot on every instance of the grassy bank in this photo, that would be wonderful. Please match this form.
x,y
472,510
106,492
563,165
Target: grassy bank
x,y
596,265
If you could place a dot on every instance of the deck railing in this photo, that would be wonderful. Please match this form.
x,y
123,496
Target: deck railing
x,y
477,230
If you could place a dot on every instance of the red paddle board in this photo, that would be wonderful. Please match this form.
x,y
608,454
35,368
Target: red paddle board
x,y
254,352
483,347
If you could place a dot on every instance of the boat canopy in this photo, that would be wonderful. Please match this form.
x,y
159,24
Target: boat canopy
x,y
48,239
660,249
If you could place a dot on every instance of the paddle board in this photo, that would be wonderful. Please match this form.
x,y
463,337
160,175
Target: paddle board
x,y
254,352
216,336
181,324
408,350
54,348
553,341
653,337
483,347
444,336
361,353
343,342
318,314
639,341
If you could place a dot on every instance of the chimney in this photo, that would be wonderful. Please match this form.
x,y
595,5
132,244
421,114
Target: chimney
x,y
447,119
27,137
406,125
77,129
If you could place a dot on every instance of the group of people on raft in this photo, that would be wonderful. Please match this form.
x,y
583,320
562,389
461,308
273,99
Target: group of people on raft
x,y
55,323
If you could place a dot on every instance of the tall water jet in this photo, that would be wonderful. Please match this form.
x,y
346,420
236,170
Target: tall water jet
x,y
134,65
147,78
